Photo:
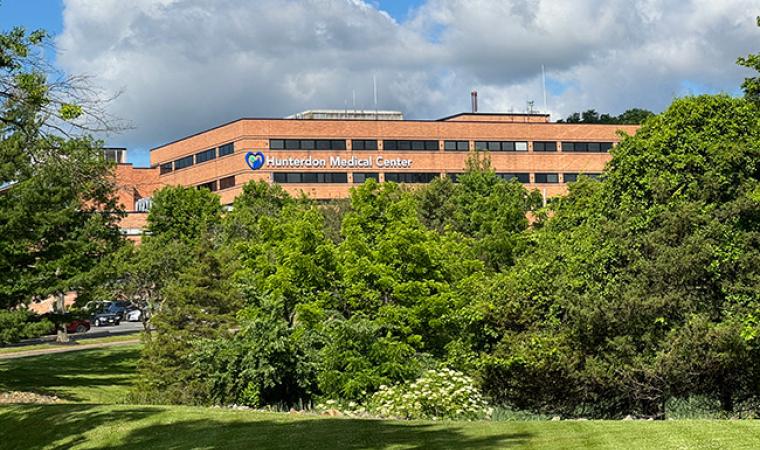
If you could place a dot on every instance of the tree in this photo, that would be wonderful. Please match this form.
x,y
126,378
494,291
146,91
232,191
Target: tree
x,y
634,116
751,85
183,213
58,212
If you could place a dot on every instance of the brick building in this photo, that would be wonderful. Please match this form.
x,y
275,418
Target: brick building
x,y
325,153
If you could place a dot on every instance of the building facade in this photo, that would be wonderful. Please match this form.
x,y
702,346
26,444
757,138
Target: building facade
x,y
324,158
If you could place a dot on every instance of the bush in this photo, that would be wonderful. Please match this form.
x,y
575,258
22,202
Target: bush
x,y
438,394
16,325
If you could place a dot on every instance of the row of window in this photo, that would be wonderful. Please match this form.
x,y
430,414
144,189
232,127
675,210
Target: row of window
x,y
307,144
414,177
221,184
200,157
494,146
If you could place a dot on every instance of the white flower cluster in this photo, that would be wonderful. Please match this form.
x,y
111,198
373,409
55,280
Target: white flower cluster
x,y
438,394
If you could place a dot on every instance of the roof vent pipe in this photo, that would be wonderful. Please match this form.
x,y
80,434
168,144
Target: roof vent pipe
x,y
474,95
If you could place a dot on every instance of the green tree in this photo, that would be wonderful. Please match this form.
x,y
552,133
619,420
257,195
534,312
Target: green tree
x,y
751,85
183,213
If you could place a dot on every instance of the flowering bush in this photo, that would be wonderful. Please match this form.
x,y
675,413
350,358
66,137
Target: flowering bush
x,y
438,394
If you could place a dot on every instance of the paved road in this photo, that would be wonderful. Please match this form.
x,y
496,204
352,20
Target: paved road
x,y
68,348
95,332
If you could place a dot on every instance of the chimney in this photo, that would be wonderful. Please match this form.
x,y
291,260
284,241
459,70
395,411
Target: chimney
x,y
474,95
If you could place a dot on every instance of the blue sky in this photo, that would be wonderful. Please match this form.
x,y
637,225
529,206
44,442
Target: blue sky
x,y
184,66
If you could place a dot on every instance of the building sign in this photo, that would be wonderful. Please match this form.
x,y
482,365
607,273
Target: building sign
x,y
338,162
255,160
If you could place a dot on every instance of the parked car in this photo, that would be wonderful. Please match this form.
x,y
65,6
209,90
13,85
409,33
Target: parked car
x,y
105,319
119,308
78,326
134,315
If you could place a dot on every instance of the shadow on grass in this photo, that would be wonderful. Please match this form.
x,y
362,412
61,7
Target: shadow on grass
x,y
54,373
63,426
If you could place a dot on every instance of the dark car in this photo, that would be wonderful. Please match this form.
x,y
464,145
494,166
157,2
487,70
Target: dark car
x,y
105,319
118,307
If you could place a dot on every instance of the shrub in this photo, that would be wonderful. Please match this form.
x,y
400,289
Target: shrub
x,y
16,325
437,394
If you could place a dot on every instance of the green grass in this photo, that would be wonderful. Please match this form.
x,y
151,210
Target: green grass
x,y
138,427
50,345
96,380
87,376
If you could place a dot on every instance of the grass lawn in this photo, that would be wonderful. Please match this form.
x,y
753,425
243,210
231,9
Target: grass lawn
x,y
139,427
87,376
97,379
49,345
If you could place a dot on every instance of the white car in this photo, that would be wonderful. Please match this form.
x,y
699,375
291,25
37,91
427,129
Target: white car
x,y
133,316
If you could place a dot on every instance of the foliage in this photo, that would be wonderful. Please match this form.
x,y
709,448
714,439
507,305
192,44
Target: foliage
x,y
751,85
15,325
183,213
437,394
58,211
634,116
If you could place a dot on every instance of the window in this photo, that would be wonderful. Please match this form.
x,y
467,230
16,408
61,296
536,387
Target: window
x,y
461,146
226,182
310,177
544,146
521,177
307,144
430,146
573,177
591,147
502,146
226,149
411,177
211,186
364,144
547,178
206,155
165,168
181,163
454,177
361,177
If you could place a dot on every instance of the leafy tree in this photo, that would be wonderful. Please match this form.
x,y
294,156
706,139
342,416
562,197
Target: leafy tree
x,y
183,213
57,208
751,85
634,116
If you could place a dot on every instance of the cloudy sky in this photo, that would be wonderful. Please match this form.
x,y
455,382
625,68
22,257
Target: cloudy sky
x,y
186,65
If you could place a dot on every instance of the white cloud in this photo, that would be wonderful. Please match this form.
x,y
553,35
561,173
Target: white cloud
x,y
187,65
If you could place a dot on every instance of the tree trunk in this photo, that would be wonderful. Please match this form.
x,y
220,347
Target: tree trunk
x,y
60,307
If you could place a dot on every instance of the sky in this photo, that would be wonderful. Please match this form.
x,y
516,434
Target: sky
x,y
182,66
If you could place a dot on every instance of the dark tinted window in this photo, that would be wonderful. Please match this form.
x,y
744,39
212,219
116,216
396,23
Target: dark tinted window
x,y
454,177
546,178
181,163
338,145
211,186
545,146
573,177
310,177
292,144
593,147
165,168
323,145
307,144
206,155
361,177
456,145
360,144
521,177
411,145
227,182
276,144
411,177
481,145
226,149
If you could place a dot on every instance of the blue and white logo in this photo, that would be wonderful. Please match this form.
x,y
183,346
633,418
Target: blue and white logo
x,y
255,160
